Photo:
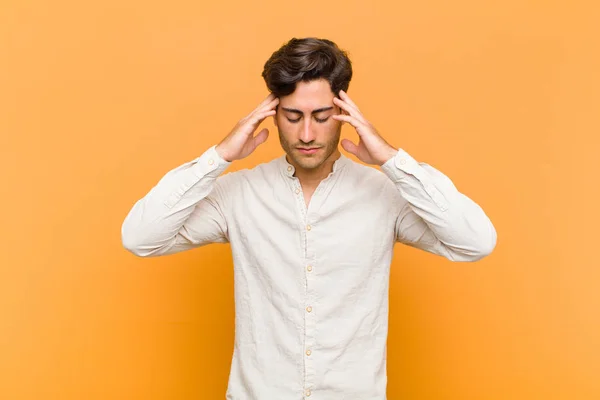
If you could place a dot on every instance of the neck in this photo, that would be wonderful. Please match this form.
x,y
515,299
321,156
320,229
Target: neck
x,y
312,177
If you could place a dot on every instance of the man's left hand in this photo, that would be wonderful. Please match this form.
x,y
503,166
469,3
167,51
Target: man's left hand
x,y
371,148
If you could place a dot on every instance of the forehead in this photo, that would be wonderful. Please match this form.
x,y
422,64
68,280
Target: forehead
x,y
309,96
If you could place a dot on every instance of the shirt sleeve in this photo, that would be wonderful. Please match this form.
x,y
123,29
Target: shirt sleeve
x,y
186,209
434,215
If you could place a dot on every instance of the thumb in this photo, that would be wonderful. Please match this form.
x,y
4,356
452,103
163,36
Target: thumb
x,y
350,147
261,137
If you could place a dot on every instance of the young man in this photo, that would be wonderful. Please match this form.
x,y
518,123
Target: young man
x,y
312,232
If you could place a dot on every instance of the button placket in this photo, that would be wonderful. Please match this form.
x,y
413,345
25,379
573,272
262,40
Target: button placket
x,y
299,195
309,311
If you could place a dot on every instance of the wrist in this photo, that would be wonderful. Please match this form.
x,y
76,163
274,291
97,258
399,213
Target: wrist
x,y
222,153
389,153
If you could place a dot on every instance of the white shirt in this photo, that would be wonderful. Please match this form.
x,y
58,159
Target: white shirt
x,y
311,284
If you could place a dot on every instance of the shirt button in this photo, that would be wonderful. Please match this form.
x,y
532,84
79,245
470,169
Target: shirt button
x,y
402,161
309,268
309,308
307,393
308,227
211,161
297,191
290,168
308,352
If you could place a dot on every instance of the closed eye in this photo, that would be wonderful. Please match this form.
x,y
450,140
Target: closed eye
x,y
321,121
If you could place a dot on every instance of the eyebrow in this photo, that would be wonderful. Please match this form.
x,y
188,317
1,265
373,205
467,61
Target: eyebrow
x,y
318,110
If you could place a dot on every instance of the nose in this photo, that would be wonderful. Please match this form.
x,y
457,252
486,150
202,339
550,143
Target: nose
x,y
307,134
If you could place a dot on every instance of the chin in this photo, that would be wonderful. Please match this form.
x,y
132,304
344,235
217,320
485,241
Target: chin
x,y
309,162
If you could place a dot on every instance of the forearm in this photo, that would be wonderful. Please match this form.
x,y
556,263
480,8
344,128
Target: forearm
x,y
460,224
155,220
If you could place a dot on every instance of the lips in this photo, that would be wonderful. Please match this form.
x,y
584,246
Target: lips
x,y
309,150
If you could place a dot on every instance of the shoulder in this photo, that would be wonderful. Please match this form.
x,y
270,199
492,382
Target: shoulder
x,y
367,174
265,171
373,181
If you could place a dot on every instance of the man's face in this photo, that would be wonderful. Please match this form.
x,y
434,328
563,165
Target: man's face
x,y
304,121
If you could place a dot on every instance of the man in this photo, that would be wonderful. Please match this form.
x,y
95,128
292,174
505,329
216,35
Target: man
x,y
312,232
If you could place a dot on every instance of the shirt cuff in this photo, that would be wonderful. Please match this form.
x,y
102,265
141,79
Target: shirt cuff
x,y
402,164
210,163
403,170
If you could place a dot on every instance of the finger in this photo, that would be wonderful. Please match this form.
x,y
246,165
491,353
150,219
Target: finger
x,y
350,147
348,100
269,106
272,104
349,109
260,116
345,107
261,137
350,119
266,101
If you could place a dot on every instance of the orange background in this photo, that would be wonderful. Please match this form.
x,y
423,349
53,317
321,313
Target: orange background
x,y
98,101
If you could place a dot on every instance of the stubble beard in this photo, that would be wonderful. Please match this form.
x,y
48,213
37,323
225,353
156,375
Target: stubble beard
x,y
309,162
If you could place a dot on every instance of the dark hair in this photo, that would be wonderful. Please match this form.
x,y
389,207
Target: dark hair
x,y
307,59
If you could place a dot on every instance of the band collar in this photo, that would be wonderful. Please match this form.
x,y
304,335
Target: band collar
x,y
288,169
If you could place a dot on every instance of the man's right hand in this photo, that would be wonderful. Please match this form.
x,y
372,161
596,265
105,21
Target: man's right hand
x,y
241,142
